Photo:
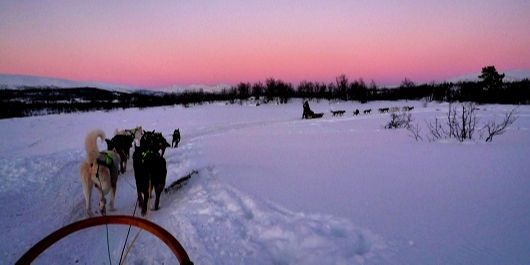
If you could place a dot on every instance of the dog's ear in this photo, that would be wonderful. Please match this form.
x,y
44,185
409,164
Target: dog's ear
x,y
110,144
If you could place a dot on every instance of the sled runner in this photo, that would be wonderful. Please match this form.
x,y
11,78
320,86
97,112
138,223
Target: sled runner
x,y
176,185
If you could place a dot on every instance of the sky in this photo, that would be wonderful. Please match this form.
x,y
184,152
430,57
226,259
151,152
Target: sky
x,y
156,44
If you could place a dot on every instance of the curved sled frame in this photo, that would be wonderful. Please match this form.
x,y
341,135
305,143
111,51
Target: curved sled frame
x,y
144,224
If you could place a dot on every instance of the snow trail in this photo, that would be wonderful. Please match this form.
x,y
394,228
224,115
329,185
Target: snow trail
x,y
274,189
216,223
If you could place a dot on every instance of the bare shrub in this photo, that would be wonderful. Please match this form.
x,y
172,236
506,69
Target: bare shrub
x,y
436,130
415,130
402,120
459,125
462,125
493,128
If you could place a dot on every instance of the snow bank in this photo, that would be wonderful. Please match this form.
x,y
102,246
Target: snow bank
x,y
221,225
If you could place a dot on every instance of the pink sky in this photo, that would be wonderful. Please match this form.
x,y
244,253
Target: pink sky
x,y
168,43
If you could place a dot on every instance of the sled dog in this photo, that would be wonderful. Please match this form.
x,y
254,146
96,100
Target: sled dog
x,y
176,138
99,169
150,169
121,144
136,133
337,112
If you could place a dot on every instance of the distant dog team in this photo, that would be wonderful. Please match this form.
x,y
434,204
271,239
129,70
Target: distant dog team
x,y
338,112
309,114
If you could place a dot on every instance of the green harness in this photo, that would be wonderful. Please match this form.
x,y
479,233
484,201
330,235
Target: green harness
x,y
148,154
106,159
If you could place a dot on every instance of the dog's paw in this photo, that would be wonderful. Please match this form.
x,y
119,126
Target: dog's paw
x,y
89,213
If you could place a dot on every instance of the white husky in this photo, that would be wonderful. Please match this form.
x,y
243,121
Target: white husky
x,y
100,169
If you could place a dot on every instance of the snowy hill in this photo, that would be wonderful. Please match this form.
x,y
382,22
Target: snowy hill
x,y
511,75
16,81
196,87
274,189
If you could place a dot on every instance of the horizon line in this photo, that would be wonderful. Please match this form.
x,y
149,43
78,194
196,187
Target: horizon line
x,y
464,76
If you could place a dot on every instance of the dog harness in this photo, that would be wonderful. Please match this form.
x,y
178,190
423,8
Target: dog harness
x,y
106,160
132,132
149,154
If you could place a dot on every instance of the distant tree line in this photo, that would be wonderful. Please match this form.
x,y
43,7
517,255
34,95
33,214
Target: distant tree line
x,y
29,101
44,100
489,89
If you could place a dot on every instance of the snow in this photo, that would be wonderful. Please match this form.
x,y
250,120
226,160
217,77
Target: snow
x,y
274,189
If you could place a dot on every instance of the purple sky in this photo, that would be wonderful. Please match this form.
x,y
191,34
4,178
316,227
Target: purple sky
x,y
163,43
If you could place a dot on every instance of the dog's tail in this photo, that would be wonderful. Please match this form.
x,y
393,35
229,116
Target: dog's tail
x,y
91,145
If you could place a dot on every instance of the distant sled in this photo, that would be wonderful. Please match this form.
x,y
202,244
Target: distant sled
x,y
309,114
317,115
312,115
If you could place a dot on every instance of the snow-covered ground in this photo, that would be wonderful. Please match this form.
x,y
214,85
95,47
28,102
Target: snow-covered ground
x,y
275,189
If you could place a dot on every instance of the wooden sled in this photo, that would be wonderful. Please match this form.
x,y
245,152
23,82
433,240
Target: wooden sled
x,y
312,115
317,115
144,224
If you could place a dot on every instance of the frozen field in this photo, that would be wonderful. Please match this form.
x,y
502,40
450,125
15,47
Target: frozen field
x,y
275,189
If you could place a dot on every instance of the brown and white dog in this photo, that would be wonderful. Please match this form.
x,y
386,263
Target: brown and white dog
x,y
100,169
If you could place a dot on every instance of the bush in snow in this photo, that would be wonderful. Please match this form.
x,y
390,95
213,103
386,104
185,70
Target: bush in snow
x,y
461,125
402,120
415,131
493,128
